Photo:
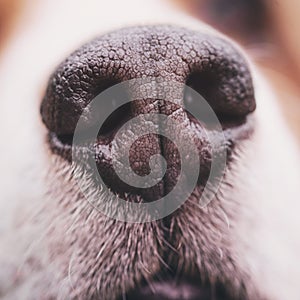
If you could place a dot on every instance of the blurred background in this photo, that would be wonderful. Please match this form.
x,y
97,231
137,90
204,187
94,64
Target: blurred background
x,y
269,31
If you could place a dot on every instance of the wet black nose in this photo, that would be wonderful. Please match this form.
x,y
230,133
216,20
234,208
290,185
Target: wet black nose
x,y
209,65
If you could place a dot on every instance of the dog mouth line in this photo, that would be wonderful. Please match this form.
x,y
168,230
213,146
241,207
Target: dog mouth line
x,y
181,288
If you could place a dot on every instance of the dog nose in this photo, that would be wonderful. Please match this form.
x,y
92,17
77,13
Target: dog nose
x,y
161,54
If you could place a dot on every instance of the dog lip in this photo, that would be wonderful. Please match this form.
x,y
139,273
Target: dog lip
x,y
170,290
177,290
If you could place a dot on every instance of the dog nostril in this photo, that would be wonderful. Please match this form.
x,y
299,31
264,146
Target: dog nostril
x,y
225,84
66,99
112,109
116,119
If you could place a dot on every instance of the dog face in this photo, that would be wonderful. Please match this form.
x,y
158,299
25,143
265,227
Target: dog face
x,y
243,244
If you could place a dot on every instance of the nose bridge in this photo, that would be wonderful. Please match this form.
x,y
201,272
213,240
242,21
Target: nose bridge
x,y
165,60
162,98
155,94
153,57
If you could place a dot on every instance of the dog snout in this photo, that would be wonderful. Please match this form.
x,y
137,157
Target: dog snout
x,y
172,62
